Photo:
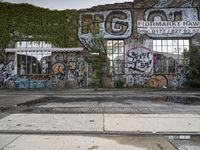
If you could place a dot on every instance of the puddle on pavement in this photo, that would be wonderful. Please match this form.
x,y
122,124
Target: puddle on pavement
x,y
184,100
142,142
33,106
121,100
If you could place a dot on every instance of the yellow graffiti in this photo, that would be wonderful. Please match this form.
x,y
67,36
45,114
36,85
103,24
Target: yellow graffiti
x,y
157,81
58,68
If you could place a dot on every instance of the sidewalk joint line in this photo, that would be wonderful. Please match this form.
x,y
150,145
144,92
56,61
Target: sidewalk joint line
x,y
11,142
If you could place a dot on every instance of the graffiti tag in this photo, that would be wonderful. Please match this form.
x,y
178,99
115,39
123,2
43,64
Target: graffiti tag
x,y
139,60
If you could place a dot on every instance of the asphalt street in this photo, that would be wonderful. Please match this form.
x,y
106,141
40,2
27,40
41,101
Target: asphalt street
x,y
139,119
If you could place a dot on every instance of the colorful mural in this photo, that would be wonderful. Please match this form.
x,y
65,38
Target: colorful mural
x,y
69,69
59,70
9,79
164,64
33,81
156,80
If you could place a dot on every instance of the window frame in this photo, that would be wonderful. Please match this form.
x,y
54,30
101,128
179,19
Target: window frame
x,y
29,56
33,57
116,56
176,44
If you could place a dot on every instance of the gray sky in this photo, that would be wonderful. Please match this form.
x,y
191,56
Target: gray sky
x,y
67,4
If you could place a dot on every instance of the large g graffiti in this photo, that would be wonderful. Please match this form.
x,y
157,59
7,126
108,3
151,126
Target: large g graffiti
x,y
114,24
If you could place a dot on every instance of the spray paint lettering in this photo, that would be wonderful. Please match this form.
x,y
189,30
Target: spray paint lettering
x,y
161,21
137,80
139,60
114,24
177,80
33,81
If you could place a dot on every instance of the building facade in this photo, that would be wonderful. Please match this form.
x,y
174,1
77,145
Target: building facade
x,y
145,43
146,40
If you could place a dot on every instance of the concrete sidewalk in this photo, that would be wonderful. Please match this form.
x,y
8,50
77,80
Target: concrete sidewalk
x,y
101,123
83,142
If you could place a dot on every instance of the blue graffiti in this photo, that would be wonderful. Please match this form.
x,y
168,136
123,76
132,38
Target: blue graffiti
x,y
24,82
7,74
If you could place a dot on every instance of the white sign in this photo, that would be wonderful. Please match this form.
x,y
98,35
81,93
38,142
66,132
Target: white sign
x,y
169,28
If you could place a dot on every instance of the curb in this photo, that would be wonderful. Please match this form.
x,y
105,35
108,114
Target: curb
x,y
100,133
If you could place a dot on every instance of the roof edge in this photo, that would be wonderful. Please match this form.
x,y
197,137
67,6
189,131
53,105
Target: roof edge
x,y
77,49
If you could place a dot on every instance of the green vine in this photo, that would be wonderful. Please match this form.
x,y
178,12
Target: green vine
x,y
192,63
27,22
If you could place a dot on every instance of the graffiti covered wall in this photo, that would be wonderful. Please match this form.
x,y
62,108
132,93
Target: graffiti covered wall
x,y
7,72
10,79
141,65
137,26
165,19
138,62
33,81
146,68
69,70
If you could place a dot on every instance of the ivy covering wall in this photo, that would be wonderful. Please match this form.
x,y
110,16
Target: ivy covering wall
x,y
27,22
